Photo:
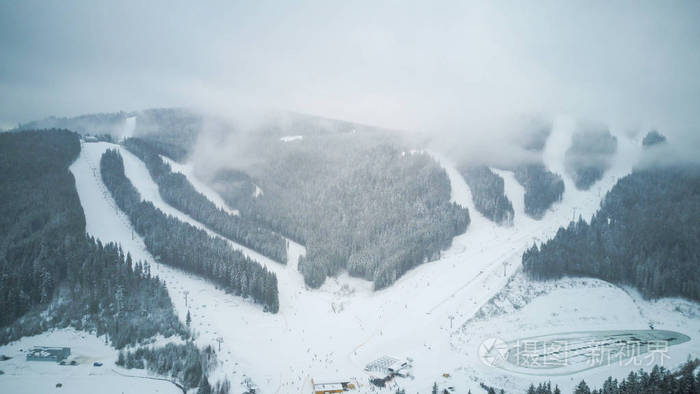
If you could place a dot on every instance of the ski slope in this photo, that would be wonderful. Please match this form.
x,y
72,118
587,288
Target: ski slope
x,y
138,174
331,333
211,194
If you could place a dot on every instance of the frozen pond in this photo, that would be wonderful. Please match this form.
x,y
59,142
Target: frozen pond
x,y
567,353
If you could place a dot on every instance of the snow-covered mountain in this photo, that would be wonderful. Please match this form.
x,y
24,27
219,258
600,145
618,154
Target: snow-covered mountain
x,y
436,312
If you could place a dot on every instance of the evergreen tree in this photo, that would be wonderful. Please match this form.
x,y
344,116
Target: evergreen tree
x,y
646,234
204,387
582,388
542,188
177,191
488,193
653,138
659,380
184,246
46,257
358,204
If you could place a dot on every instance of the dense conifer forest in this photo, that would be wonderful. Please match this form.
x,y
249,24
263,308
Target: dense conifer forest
x,y
653,138
488,193
356,205
51,273
184,363
686,380
104,292
646,234
177,191
184,246
659,380
543,188
395,216
41,218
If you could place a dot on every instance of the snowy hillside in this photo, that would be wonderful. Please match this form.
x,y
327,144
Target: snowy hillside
x,y
202,187
30,377
427,315
437,315
228,197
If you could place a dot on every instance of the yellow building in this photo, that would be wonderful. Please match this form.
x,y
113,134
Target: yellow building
x,y
328,388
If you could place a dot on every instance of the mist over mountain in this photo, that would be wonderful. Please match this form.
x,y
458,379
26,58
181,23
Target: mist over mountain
x,y
381,197
462,70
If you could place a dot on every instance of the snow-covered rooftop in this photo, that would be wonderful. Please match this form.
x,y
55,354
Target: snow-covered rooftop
x,y
327,386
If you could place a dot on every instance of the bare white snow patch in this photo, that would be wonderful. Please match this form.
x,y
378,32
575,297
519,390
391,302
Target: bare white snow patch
x,y
290,138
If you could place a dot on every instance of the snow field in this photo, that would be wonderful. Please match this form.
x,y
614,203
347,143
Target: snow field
x,y
31,377
529,309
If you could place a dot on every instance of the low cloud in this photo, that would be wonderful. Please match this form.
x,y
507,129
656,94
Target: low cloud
x,y
461,75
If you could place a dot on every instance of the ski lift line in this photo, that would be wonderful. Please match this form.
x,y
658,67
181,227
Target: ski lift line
x,y
108,198
474,278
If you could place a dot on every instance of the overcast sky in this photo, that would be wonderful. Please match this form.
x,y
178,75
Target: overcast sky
x,y
419,66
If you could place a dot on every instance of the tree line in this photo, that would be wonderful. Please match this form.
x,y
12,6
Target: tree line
x,y
375,221
659,380
51,273
543,188
652,138
488,193
357,206
184,363
177,191
308,186
184,246
645,234
685,380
